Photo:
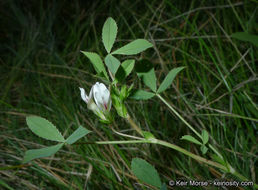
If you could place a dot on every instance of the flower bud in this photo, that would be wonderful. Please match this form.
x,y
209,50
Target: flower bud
x,y
99,101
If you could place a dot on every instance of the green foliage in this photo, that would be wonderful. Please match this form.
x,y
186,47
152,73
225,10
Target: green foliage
x,y
109,33
149,79
243,36
205,137
218,159
145,172
134,47
118,98
204,149
47,130
141,95
43,128
77,134
169,79
128,65
40,153
148,135
97,62
191,139
125,69
112,63
147,73
119,105
123,93
42,70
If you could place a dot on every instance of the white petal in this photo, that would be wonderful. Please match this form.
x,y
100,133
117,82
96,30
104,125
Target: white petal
x,y
101,95
97,96
83,95
106,95
92,106
91,92
102,87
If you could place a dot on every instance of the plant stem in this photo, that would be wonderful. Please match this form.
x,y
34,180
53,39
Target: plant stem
x,y
134,125
177,148
163,143
188,125
178,115
123,142
194,156
125,135
229,168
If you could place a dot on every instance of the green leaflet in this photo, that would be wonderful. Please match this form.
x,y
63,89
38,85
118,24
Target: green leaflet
x,y
96,62
169,79
39,153
134,47
112,63
145,172
142,95
44,128
109,32
191,139
77,134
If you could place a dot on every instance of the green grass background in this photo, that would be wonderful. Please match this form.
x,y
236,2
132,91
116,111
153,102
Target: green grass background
x,y
41,68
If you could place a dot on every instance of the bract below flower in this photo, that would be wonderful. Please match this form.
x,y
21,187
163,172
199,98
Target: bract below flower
x,y
99,100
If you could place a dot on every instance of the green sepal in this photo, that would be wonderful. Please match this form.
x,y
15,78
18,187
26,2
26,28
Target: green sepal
x,y
119,105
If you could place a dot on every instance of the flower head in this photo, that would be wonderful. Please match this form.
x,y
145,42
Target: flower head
x,y
99,100
102,96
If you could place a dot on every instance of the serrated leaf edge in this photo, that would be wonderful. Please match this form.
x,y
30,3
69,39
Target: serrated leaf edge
x,y
52,124
148,164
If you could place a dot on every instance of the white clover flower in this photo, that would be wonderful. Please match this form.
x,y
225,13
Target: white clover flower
x,y
102,96
99,100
